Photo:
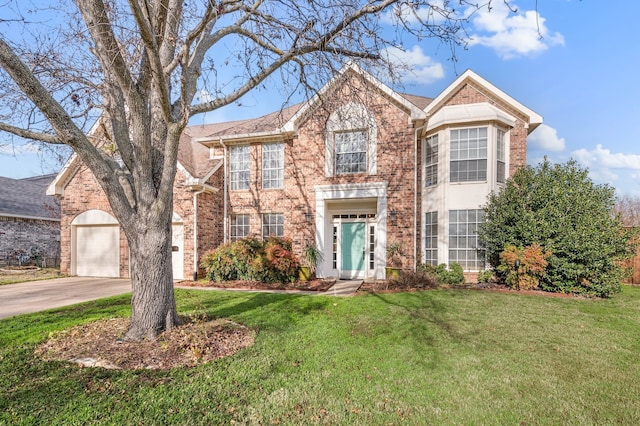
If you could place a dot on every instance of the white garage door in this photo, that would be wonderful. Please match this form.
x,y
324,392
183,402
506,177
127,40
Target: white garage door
x,y
177,251
98,251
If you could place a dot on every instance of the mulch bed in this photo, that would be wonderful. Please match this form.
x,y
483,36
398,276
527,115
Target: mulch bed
x,y
319,285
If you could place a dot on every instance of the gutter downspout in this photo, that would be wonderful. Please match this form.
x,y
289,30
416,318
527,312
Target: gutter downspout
x,y
195,233
415,196
224,193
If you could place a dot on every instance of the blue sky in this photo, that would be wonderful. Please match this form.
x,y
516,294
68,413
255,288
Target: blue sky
x,y
580,76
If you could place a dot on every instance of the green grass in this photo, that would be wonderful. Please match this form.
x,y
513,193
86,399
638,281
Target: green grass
x,y
434,357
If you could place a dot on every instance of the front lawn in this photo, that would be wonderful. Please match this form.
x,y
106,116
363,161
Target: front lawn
x,y
433,357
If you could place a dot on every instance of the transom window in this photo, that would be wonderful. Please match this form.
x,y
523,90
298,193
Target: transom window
x,y
272,225
351,152
463,238
273,165
468,155
239,167
431,238
501,155
431,161
239,226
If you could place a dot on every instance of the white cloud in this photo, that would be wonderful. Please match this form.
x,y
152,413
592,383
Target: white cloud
x,y
512,34
434,14
413,65
19,149
603,158
545,138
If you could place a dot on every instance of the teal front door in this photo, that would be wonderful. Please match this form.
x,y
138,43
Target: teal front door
x,y
353,249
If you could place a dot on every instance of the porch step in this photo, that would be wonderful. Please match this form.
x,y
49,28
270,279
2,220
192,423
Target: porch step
x,y
344,288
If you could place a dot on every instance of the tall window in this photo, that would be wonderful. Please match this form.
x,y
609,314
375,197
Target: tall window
x,y
239,226
273,165
272,225
239,167
431,238
351,152
468,155
500,156
463,238
431,161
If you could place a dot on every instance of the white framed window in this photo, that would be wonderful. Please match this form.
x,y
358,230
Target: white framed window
x,y
239,226
273,165
351,141
351,152
272,225
431,238
463,238
468,155
501,169
431,161
239,167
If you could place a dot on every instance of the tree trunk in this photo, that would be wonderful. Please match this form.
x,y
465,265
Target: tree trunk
x,y
153,303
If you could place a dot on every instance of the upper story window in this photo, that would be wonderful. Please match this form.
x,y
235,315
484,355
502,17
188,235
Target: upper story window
x,y
501,169
351,152
239,167
431,161
468,155
351,141
273,165
239,226
272,225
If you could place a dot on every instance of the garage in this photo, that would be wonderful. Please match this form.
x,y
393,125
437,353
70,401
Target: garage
x,y
95,245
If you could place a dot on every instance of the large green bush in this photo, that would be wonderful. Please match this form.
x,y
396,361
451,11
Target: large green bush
x,y
270,260
559,208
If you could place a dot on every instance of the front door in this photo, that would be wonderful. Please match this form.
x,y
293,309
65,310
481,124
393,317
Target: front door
x,y
353,249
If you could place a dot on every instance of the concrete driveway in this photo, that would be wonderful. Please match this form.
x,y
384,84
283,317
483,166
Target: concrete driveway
x,y
24,298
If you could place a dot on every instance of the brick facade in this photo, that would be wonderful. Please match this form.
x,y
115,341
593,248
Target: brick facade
x,y
20,234
397,140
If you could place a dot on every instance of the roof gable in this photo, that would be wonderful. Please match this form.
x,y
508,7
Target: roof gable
x,y
470,77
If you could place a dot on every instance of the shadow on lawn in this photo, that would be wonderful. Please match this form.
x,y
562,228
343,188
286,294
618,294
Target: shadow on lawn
x,y
262,310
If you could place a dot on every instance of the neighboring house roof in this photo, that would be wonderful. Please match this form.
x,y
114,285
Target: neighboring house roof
x,y
26,198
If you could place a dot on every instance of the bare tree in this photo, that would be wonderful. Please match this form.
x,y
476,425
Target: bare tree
x,y
136,68
628,208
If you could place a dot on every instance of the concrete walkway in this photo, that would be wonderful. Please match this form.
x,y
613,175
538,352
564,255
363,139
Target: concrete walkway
x,y
34,296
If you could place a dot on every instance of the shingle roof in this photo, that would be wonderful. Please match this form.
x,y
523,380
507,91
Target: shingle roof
x,y
27,198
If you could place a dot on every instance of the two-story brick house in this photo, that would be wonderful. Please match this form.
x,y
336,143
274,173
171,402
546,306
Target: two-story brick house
x,y
356,168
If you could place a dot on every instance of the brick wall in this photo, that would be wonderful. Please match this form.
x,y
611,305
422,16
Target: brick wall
x,y
23,234
83,193
305,168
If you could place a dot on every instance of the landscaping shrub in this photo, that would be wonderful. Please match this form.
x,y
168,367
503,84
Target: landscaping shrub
x,y
485,276
522,268
560,209
270,261
421,279
454,275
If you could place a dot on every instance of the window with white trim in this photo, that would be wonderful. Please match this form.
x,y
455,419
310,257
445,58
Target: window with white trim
x,y
273,165
463,238
501,169
431,238
351,152
239,227
272,225
468,155
239,167
431,161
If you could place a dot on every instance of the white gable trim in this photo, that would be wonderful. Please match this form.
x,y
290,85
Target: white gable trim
x,y
535,119
470,113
